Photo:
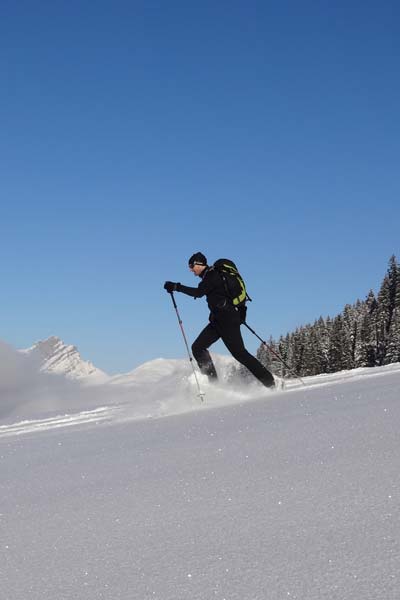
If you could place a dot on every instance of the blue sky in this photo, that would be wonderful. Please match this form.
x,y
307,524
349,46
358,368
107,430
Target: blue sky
x,y
134,134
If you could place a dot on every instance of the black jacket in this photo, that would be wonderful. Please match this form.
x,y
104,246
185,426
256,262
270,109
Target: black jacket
x,y
212,287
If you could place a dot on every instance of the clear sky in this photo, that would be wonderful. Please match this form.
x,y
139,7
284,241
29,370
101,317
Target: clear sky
x,y
133,134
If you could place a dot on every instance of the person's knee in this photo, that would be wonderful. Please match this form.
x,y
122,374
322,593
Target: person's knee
x,y
241,355
197,349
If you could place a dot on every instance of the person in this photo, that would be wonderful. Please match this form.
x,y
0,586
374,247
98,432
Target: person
x,y
224,321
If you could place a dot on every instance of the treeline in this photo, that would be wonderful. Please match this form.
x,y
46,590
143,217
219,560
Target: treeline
x,y
365,334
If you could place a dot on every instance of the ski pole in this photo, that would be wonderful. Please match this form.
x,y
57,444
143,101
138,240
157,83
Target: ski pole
x,y
278,356
200,394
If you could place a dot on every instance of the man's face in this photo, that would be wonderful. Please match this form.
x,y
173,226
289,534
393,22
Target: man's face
x,y
197,269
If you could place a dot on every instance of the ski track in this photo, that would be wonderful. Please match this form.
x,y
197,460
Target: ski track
x,y
96,416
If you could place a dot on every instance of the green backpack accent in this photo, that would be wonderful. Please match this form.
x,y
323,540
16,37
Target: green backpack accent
x,y
233,282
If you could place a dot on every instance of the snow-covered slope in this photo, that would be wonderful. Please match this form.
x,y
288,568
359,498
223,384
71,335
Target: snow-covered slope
x,y
162,368
54,356
149,372
293,495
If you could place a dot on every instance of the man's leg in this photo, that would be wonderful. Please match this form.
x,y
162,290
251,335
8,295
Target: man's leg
x,y
200,346
228,325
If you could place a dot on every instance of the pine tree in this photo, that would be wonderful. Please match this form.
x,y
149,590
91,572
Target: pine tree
x,y
360,309
393,343
311,354
337,345
369,333
323,332
393,340
386,307
394,285
287,353
297,347
349,337
383,319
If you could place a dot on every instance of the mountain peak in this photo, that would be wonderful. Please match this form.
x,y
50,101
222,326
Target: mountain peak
x,y
54,356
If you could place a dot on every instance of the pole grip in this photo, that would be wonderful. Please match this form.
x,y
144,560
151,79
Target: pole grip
x,y
173,300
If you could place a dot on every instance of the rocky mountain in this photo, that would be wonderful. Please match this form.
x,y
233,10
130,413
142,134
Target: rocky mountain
x,y
54,356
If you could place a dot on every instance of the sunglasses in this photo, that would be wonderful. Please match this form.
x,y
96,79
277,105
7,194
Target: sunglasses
x,y
191,265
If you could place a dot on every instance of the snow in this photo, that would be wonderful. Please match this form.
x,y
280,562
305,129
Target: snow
x,y
141,492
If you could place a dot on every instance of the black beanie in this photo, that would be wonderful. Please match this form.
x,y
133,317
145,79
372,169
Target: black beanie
x,y
198,258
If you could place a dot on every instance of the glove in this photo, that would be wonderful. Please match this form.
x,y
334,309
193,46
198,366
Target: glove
x,y
171,286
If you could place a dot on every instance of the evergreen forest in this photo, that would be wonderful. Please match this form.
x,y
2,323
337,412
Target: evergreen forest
x,y
364,334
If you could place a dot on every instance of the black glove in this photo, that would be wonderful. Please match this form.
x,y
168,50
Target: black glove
x,y
171,286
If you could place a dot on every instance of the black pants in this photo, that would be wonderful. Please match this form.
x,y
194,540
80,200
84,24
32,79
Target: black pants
x,y
225,325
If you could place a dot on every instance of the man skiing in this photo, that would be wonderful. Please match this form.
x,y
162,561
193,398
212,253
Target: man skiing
x,y
225,320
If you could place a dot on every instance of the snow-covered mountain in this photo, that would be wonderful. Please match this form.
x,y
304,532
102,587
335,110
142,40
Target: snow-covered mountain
x,y
54,356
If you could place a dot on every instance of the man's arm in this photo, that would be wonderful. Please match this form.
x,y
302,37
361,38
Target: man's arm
x,y
204,287
198,292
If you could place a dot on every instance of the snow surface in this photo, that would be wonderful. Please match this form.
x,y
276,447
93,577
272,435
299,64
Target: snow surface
x,y
141,491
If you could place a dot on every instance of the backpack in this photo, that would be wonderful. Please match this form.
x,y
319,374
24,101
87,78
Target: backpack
x,y
233,282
